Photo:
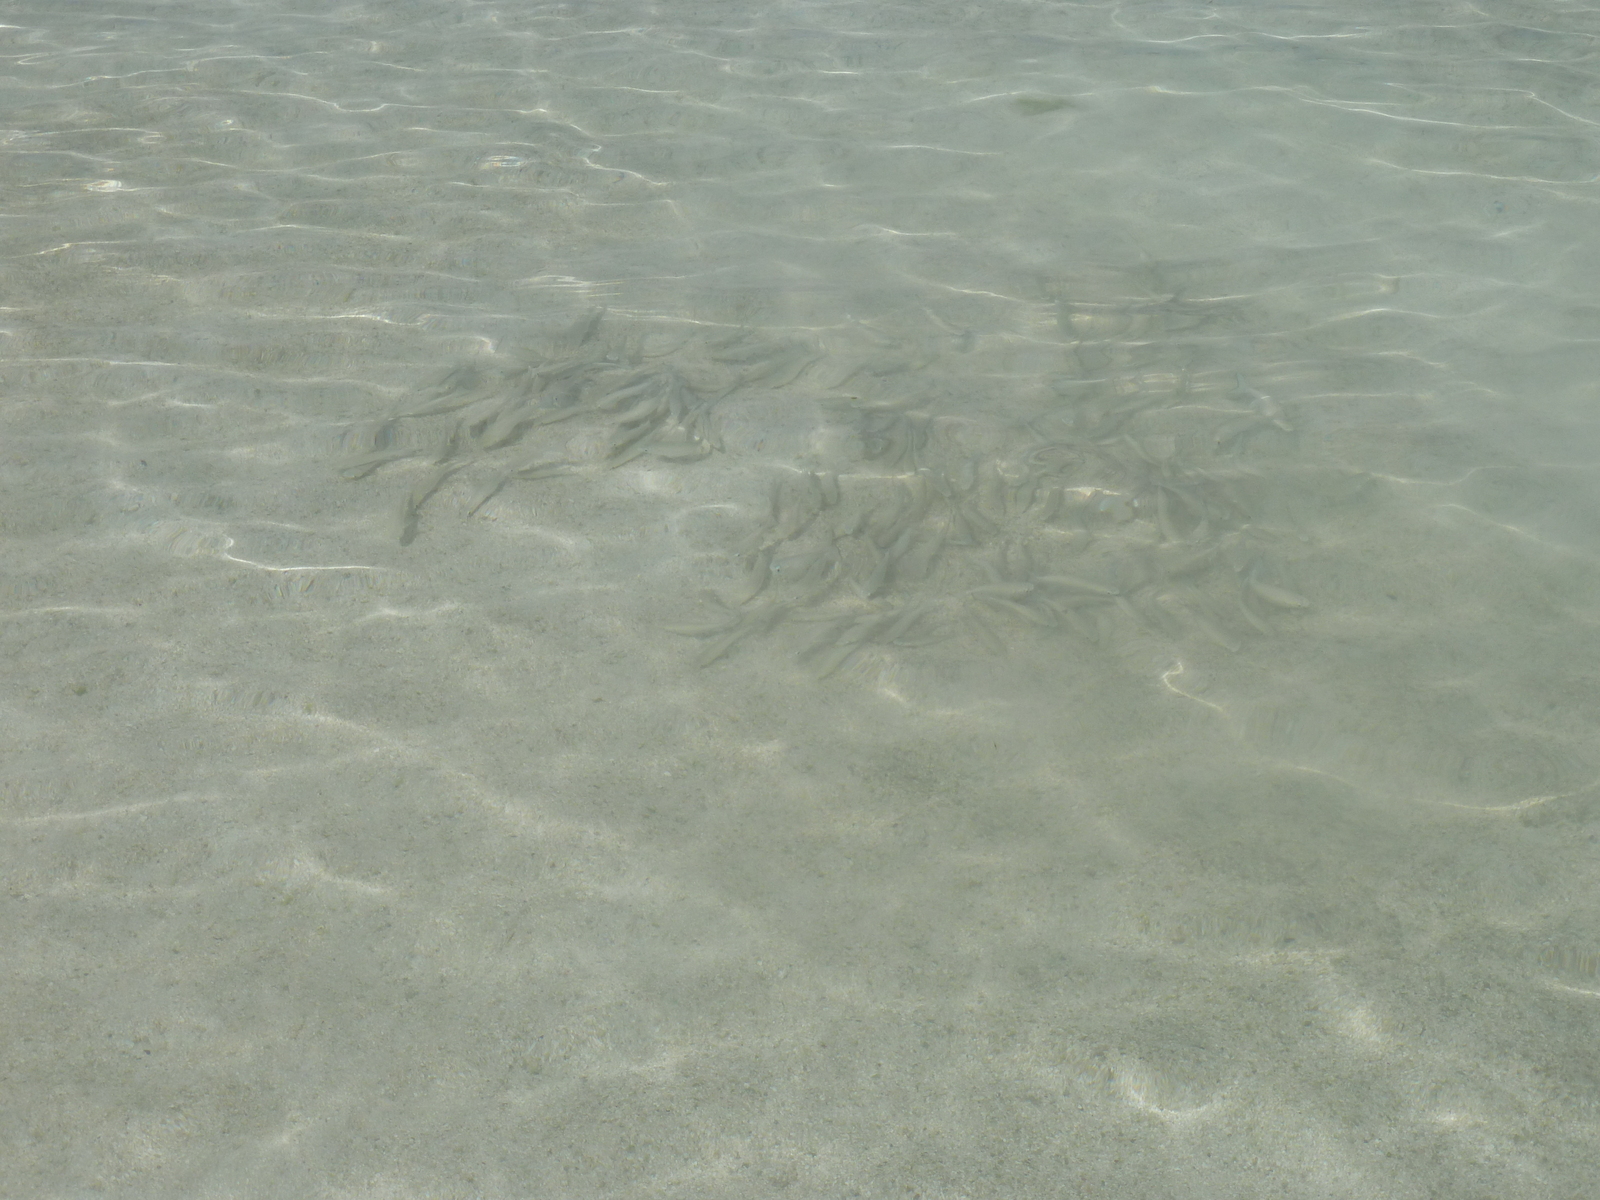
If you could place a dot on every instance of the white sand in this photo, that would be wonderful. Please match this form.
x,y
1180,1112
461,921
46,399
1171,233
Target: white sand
x,y
340,867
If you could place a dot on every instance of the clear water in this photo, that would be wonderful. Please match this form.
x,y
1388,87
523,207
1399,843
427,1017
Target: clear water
x,y
836,599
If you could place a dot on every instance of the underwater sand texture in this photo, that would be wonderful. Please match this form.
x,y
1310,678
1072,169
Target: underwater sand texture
x,y
842,599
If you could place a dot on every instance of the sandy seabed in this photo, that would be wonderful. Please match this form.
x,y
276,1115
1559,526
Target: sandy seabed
x,y
602,650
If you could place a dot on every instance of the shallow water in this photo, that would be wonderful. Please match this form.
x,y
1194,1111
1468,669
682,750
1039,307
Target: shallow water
x,y
841,599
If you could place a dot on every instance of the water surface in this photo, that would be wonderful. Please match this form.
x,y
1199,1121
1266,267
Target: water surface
x,y
837,599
